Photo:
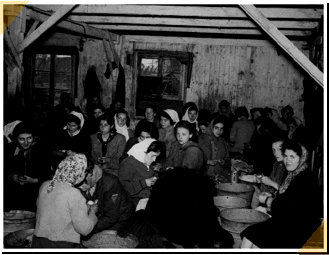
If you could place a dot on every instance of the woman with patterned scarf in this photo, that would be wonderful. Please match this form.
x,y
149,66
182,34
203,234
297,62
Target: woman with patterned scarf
x,y
294,209
62,214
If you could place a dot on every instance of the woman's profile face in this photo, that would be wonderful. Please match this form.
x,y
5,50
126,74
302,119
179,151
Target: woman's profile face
x,y
218,129
276,148
25,140
183,135
291,160
151,157
121,119
72,127
192,115
104,127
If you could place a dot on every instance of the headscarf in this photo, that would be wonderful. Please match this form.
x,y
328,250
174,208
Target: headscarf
x,y
209,130
138,151
82,121
173,115
121,130
71,170
185,117
9,128
292,174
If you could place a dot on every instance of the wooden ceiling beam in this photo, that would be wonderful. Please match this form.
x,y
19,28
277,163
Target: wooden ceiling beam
x,y
114,28
190,11
189,22
76,27
59,14
284,43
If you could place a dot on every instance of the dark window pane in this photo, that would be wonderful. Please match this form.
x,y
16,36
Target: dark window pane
x,y
42,62
41,80
63,81
63,63
149,67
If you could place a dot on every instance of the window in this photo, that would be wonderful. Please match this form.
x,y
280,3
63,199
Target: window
x,y
161,79
53,74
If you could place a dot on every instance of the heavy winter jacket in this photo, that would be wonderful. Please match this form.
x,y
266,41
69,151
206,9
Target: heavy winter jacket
x,y
214,148
190,155
132,175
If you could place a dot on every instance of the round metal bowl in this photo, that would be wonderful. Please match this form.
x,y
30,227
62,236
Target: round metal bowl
x,y
227,202
235,190
237,220
19,239
18,220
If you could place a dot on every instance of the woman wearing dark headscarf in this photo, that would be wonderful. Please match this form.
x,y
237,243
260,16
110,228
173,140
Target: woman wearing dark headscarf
x,y
294,209
62,214
215,149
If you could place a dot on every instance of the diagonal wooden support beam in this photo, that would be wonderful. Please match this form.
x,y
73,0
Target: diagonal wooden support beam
x,y
60,13
33,27
283,42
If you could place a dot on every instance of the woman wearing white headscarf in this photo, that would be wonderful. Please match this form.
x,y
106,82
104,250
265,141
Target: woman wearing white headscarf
x,y
135,173
72,138
191,115
168,120
122,122
62,214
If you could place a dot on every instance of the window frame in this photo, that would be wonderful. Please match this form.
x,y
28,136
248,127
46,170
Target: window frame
x,y
53,51
161,55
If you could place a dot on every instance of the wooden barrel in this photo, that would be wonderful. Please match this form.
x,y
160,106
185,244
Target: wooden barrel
x,y
18,220
227,202
110,239
237,220
235,190
19,239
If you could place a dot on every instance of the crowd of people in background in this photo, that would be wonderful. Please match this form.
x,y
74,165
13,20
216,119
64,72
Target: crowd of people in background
x,y
91,153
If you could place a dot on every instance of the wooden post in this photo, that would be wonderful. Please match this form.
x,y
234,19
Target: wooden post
x,y
284,43
44,27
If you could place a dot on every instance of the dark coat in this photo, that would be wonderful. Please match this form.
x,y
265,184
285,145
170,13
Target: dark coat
x,y
215,148
294,216
115,206
35,164
190,155
181,206
132,175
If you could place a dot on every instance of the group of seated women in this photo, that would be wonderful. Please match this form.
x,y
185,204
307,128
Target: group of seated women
x,y
118,170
